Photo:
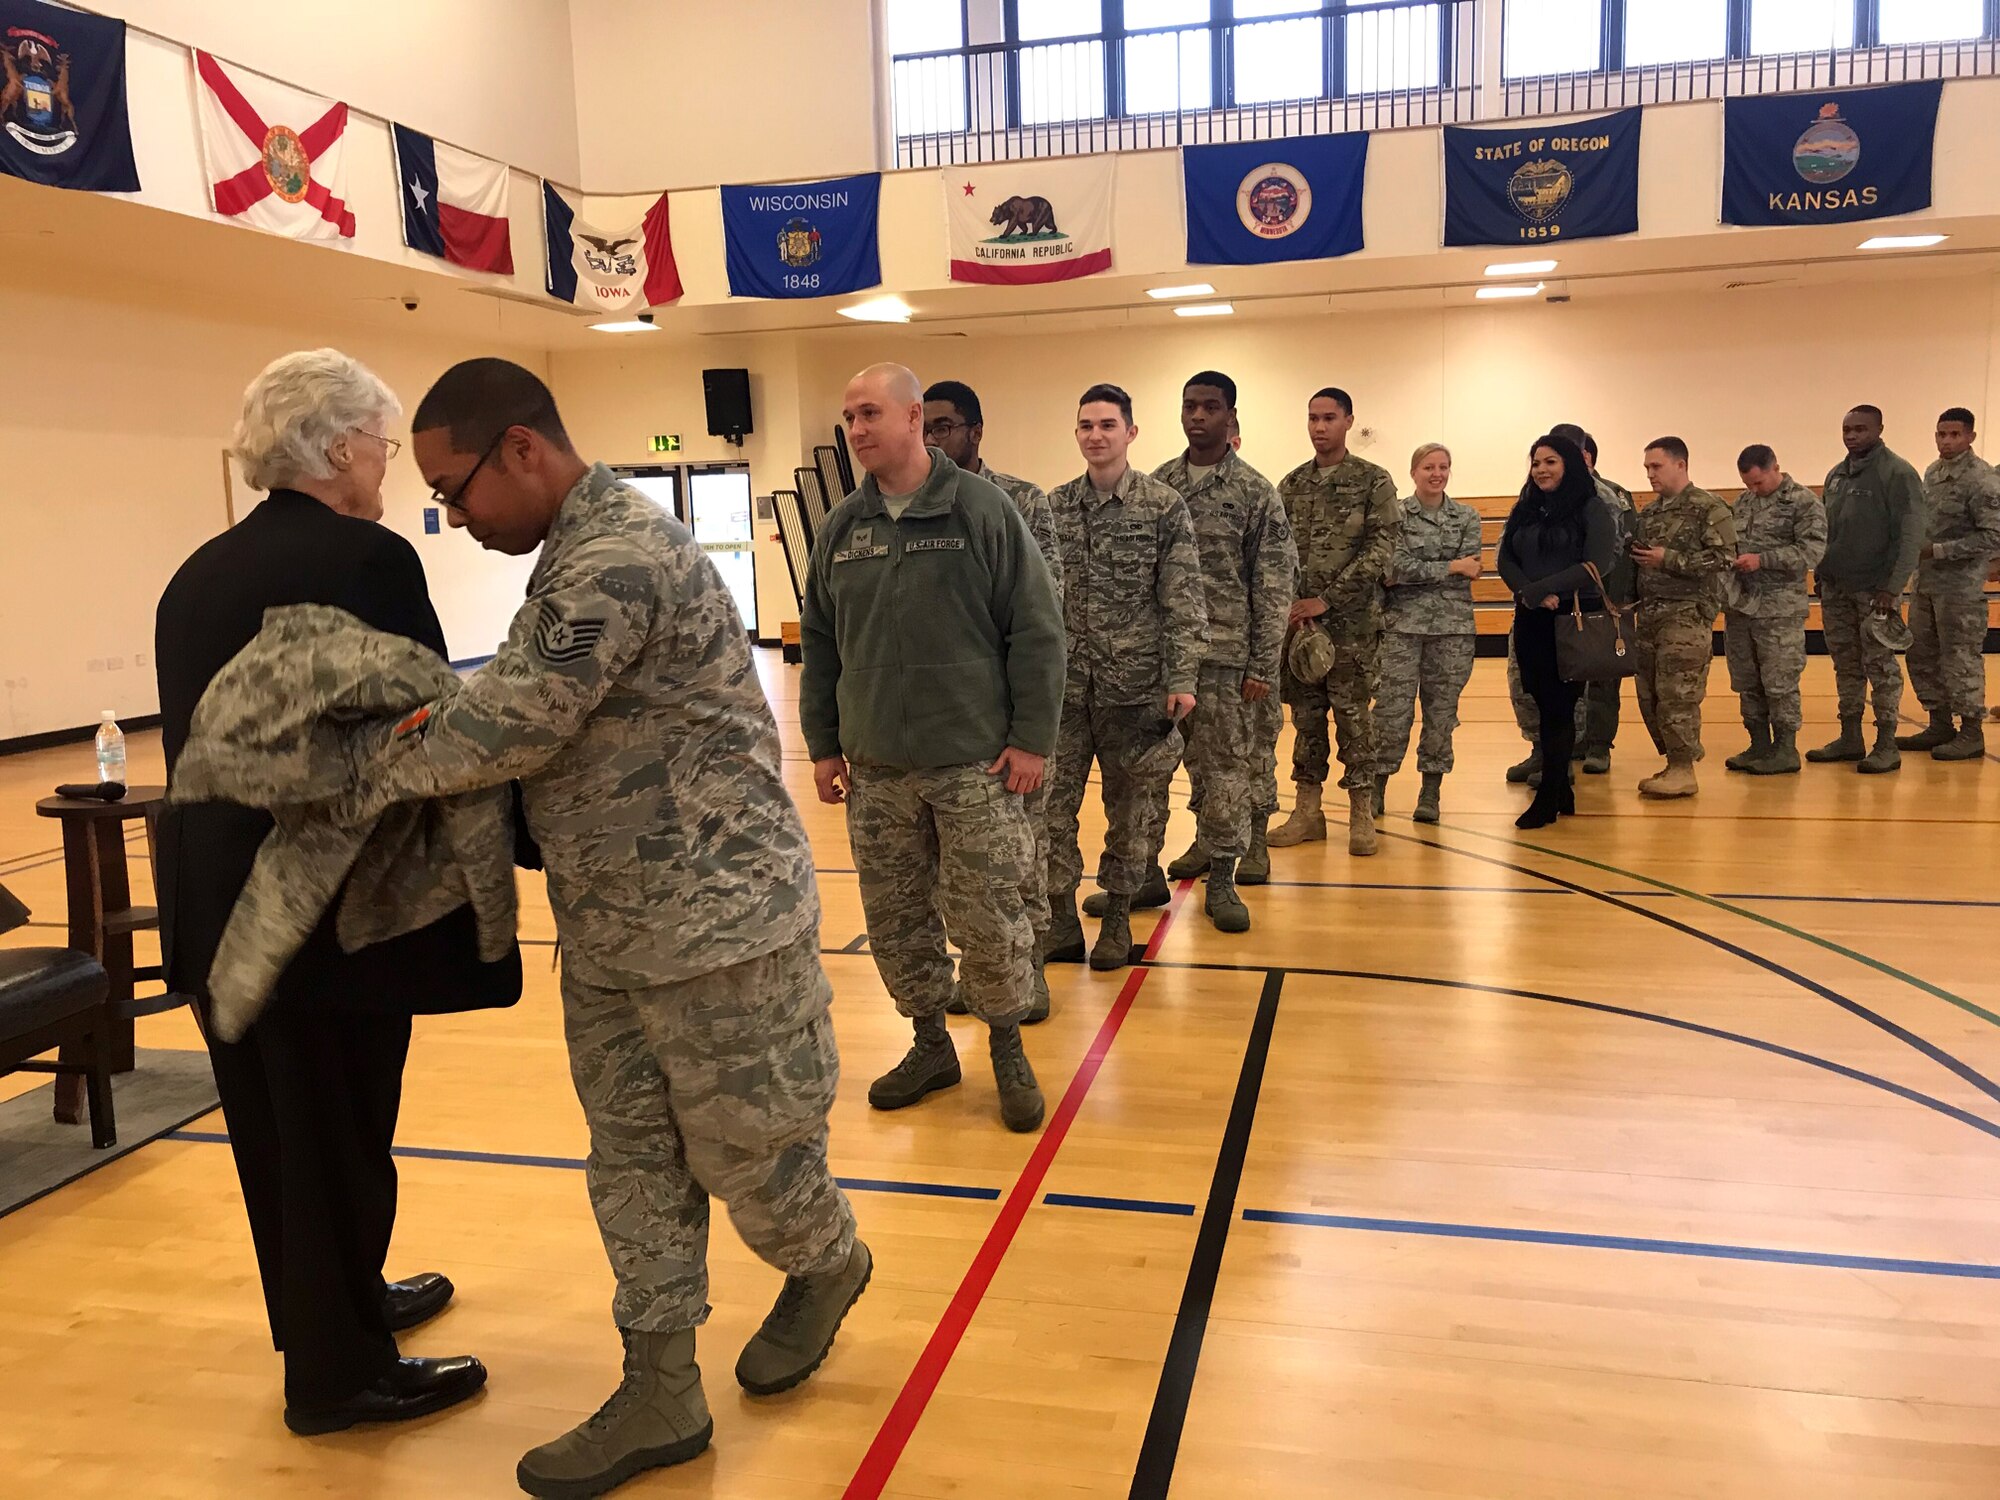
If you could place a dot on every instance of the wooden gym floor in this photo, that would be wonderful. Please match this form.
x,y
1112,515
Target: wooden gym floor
x,y
1651,1156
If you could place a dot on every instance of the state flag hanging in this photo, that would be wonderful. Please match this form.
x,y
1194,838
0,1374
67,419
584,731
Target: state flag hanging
x,y
803,239
277,156
1829,157
1020,223
63,117
607,253
1532,185
454,203
1255,202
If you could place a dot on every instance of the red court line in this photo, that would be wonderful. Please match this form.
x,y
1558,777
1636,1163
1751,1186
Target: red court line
x,y
894,1435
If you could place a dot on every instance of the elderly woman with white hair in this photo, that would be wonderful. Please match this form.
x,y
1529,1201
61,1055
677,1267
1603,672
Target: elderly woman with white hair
x,y
1427,630
312,1091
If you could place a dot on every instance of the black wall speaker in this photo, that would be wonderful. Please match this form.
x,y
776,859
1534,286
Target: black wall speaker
x,y
728,396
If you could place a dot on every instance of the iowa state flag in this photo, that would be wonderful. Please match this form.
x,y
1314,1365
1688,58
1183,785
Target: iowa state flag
x,y
1017,223
63,120
454,203
609,254
1255,202
277,156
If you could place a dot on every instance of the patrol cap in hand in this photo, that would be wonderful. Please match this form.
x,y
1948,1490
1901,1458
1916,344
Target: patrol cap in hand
x,y
1311,656
1890,630
1159,751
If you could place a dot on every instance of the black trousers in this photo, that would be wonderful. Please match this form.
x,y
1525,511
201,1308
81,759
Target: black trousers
x,y
311,1096
1535,650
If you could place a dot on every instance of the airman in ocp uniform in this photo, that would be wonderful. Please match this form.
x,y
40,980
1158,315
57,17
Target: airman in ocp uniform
x,y
1780,537
1948,612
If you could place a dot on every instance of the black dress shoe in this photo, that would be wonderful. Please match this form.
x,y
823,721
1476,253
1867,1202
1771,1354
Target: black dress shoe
x,y
407,1303
412,1388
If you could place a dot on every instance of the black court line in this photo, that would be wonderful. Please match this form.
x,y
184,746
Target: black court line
x,y
1855,1008
1775,1049
1162,1443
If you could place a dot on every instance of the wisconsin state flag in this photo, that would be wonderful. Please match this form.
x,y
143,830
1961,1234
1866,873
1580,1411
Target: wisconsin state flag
x,y
276,155
454,203
611,254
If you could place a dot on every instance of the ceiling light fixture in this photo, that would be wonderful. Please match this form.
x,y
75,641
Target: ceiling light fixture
x,y
1167,293
879,310
1206,310
1903,241
1496,293
630,325
1520,268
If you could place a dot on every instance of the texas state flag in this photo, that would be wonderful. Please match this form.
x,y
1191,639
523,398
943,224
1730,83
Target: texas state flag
x,y
454,203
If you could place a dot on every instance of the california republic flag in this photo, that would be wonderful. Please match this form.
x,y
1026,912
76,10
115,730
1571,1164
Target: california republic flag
x,y
276,156
1021,222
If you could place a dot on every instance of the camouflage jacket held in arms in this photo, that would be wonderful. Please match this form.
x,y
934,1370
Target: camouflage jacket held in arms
x,y
280,728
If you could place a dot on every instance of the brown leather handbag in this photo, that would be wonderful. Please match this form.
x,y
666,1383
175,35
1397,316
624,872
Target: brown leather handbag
x,y
1596,645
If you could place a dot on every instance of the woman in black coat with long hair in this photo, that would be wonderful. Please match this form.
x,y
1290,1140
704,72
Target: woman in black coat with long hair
x,y
1557,530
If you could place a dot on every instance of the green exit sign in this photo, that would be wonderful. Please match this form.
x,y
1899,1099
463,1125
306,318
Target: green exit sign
x,y
667,442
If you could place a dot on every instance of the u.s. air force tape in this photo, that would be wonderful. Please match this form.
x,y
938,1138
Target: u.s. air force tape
x,y
560,641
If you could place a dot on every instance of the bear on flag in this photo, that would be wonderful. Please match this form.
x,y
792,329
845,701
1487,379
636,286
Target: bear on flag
x,y
609,254
1020,223
276,155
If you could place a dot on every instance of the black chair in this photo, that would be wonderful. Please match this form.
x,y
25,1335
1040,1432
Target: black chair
x,y
54,998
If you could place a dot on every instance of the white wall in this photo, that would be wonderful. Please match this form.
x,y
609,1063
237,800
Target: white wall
x,y
1721,370
688,93
493,76
111,474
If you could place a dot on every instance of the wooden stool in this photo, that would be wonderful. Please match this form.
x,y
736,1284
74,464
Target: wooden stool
x,y
102,920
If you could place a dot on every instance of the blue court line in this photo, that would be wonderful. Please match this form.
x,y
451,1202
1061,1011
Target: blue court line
x,y
1972,1269
1120,1205
578,1164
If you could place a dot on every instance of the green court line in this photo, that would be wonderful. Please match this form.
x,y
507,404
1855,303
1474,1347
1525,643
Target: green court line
x,y
1969,1007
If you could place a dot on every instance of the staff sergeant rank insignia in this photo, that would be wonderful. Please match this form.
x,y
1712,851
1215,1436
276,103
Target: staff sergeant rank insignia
x,y
561,642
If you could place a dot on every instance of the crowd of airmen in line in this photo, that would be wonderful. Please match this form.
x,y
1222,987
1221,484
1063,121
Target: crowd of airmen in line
x,y
956,693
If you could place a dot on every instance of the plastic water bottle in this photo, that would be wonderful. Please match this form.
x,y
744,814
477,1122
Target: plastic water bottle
x,y
110,750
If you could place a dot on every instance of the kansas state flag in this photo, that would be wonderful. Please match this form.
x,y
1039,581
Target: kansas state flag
x,y
62,99
805,239
1829,158
1264,201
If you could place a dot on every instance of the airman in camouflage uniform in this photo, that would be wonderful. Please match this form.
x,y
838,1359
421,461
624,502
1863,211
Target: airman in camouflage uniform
x,y
1345,521
1136,621
1948,613
933,676
1248,564
1685,545
1780,536
955,424
625,701
1598,707
1428,635
1874,535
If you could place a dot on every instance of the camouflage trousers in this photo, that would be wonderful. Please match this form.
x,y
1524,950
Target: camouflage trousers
x,y
1597,708
1673,646
1947,665
1767,657
1135,806
1347,693
1435,669
1862,665
716,1086
945,846
1267,722
1228,781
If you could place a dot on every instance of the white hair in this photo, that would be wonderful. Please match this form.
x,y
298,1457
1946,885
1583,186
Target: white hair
x,y
298,407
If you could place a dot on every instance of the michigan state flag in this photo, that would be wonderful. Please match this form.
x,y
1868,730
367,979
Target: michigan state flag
x,y
63,121
1829,158
805,239
1261,201
1577,180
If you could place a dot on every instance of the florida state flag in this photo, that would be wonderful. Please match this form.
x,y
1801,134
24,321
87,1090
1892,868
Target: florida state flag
x,y
276,155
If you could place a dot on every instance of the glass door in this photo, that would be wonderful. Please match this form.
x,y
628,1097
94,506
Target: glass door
x,y
720,505
662,483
